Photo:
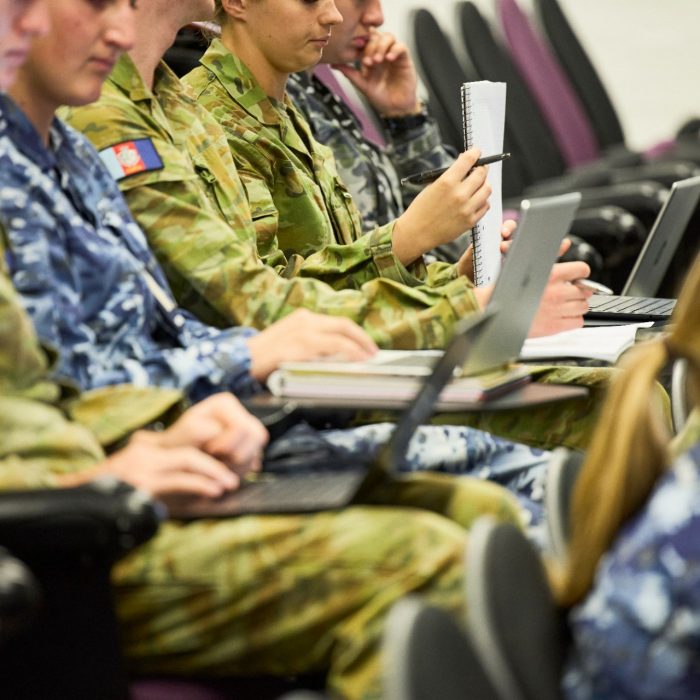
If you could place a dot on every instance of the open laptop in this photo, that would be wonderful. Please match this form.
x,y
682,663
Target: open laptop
x,y
524,275
637,302
543,224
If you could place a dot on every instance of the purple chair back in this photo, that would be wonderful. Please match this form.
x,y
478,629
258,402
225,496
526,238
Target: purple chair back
x,y
549,86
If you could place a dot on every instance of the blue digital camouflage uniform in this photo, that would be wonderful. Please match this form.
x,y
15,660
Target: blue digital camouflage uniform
x,y
268,594
85,274
79,262
637,634
372,173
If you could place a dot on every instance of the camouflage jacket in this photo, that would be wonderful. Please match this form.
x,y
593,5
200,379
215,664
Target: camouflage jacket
x,y
196,217
637,634
84,273
371,174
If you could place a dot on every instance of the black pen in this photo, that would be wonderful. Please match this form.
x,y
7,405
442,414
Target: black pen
x,y
431,175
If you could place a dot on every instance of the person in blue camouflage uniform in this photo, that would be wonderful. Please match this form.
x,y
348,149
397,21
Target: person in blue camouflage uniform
x,y
386,77
633,566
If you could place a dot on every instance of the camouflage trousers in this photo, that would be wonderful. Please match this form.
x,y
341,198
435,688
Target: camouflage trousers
x,y
568,423
295,594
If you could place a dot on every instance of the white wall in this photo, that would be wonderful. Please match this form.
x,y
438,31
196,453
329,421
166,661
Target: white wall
x,y
647,52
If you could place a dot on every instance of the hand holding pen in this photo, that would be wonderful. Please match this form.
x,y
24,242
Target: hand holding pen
x,y
428,176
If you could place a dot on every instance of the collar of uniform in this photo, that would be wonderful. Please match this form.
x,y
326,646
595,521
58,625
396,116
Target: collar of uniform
x,y
15,126
126,77
240,83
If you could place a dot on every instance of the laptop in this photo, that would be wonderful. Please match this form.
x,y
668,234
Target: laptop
x,y
637,303
311,491
480,342
543,224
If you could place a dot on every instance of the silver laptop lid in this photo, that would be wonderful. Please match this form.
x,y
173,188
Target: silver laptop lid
x,y
663,239
543,224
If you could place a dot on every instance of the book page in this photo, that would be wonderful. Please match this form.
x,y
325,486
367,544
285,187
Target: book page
x,y
605,343
483,121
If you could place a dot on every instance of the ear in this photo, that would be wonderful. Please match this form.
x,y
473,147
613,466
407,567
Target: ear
x,y
235,8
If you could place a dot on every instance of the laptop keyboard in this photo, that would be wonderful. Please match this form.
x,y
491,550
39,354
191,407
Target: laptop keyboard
x,y
632,306
298,492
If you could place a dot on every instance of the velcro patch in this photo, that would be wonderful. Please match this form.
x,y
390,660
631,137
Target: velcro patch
x,y
130,158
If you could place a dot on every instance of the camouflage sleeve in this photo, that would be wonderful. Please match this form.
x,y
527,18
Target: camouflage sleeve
x,y
215,271
37,441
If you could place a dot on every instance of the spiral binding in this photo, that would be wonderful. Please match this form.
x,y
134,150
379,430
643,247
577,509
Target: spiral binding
x,y
467,120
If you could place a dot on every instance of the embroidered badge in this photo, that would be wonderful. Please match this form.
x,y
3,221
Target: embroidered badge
x,y
131,157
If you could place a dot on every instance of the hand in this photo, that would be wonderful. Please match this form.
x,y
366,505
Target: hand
x,y
563,303
507,235
304,335
204,453
465,265
222,428
443,210
386,77
164,472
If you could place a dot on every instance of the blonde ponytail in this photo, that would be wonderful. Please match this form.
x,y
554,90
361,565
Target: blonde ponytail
x,y
629,450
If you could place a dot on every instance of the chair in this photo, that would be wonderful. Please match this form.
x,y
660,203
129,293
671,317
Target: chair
x,y
20,597
591,92
185,52
515,627
541,159
680,401
562,471
427,656
563,112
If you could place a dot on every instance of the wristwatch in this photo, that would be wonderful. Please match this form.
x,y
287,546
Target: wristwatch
x,y
399,125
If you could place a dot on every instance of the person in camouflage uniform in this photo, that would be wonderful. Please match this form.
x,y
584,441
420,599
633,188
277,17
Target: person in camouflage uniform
x,y
183,208
291,181
387,78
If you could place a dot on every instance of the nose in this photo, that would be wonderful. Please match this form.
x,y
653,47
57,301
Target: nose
x,y
373,15
331,15
120,25
33,19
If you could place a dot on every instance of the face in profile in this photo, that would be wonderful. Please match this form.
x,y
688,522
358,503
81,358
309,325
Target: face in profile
x,y
20,22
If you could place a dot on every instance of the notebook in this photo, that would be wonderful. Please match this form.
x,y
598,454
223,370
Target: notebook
x,y
637,302
483,122
517,292
311,491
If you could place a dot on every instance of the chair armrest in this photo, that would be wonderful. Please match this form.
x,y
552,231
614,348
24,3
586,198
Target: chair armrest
x,y
101,520
609,229
666,172
19,596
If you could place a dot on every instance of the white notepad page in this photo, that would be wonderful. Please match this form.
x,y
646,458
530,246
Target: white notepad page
x,y
483,121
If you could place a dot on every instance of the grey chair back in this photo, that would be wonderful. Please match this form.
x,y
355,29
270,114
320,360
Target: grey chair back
x,y
427,656
513,623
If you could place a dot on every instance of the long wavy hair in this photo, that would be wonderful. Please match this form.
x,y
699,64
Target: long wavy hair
x,y
630,447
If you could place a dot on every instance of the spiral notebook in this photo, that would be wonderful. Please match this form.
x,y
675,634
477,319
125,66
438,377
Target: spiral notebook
x,y
483,121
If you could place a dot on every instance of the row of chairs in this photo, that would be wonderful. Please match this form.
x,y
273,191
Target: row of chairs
x,y
548,133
